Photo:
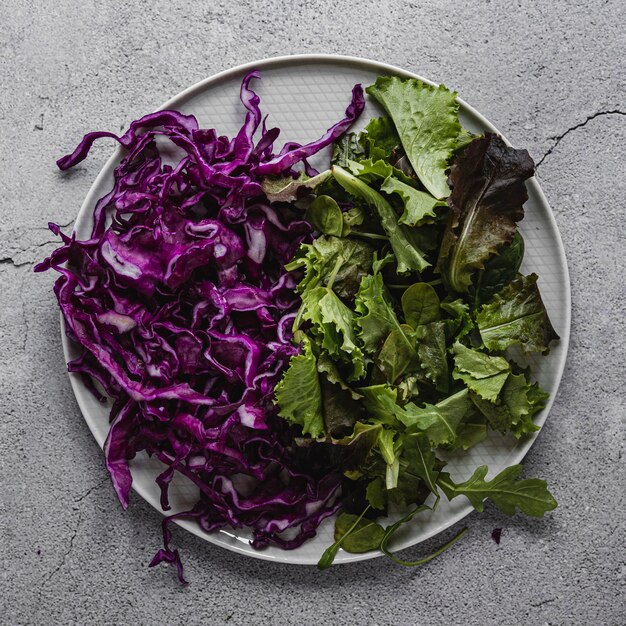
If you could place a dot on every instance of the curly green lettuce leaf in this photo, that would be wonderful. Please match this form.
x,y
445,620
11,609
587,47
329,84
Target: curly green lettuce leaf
x,y
377,317
426,119
531,496
408,255
488,193
346,149
519,400
319,260
483,374
378,139
333,325
419,206
299,394
516,316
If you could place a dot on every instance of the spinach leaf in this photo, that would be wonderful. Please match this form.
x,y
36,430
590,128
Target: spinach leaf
x,y
420,305
378,139
358,533
325,216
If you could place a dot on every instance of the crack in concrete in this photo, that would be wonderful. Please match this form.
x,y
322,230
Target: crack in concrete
x,y
96,486
559,138
70,546
538,604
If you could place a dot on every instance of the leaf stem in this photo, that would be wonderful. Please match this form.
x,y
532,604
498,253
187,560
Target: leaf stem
x,y
331,279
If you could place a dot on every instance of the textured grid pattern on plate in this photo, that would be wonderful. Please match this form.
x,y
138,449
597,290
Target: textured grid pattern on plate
x,y
303,100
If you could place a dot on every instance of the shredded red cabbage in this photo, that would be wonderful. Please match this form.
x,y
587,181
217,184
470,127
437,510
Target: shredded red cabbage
x,y
183,307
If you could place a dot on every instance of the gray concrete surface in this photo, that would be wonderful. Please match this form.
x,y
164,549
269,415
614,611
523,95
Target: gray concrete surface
x,y
549,73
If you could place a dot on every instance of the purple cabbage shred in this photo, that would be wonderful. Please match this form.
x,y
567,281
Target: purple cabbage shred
x,y
182,306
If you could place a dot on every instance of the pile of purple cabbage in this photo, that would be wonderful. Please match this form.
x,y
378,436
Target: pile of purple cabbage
x,y
184,309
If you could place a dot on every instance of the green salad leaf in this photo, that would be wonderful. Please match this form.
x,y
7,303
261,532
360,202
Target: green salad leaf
x,y
531,496
411,297
408,255
488,192
299,394
419,207
427,121
516,315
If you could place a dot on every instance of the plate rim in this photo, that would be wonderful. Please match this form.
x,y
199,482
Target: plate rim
x,y
522,448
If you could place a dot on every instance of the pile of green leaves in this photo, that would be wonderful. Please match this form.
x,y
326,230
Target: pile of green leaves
x,y
411,295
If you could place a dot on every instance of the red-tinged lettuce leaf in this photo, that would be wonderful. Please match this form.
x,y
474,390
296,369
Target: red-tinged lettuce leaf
x,y
488,193
516,316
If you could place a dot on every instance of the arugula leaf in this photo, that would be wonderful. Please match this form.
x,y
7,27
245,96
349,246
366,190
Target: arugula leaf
x,y
324,255
516,315
485,375
358,533
420,305
421,459
408,255
391,530
325,216
488,192
426,119
333,322
471,431
378,139
499,270
288,189
518,402
299,395
531,496
419,207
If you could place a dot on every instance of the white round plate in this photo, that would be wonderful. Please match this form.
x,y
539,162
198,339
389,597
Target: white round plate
x,y
304,95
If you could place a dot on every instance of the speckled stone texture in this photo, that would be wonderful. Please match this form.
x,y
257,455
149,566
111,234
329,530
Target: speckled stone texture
x,y
550,74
